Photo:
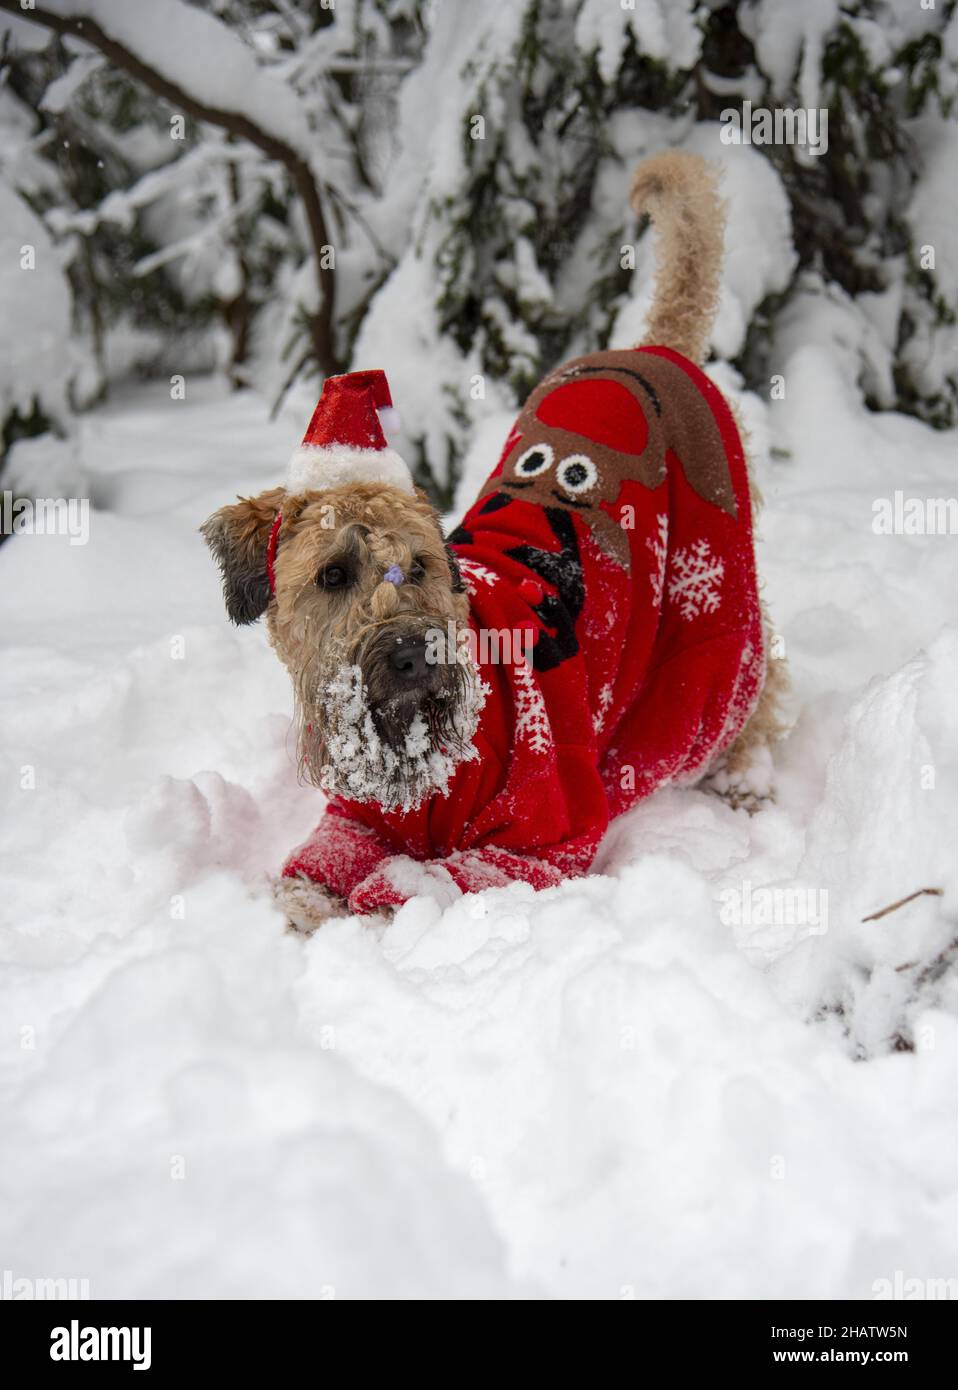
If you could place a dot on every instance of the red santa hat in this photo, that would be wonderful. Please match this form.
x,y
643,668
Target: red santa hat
x,y
346,440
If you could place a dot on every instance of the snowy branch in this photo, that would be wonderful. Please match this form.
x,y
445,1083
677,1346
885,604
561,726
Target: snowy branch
x,y
283,136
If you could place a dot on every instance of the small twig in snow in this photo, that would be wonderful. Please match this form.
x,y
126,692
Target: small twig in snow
x,y
893,907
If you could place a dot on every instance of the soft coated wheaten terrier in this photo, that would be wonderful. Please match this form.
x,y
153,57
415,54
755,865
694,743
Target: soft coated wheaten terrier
x,y
609,555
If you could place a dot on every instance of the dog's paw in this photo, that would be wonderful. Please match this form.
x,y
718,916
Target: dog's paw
x,y
738,797
746,781
305,904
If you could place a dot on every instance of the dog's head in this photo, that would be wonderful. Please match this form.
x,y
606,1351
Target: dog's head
x,y
367,615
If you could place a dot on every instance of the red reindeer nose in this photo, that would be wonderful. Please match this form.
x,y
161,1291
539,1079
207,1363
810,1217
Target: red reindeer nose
x,y
606,412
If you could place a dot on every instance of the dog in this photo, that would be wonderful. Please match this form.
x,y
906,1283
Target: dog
x,y
610,555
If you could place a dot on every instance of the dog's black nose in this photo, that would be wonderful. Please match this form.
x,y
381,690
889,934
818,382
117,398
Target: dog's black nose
x,y
408,658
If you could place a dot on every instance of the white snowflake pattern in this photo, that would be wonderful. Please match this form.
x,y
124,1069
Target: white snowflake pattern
x,y
532,721
658,546
474,573
695,582
605,700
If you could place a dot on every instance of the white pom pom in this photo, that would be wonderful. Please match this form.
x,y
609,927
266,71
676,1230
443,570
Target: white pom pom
x,y
389,421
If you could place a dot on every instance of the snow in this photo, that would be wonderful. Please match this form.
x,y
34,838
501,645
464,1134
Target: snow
x,y
36,299
932,354
789,41
62,90
426,372
638,1084
933,213
663,29
43,466
24,34
361,766
200,54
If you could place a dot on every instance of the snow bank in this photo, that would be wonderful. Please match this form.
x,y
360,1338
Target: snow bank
x,y
890,803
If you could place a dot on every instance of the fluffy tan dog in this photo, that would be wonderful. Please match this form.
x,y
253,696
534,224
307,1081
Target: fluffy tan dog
x,y
349,565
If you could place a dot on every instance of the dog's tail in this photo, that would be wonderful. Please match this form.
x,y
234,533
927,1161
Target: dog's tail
x,y
679,192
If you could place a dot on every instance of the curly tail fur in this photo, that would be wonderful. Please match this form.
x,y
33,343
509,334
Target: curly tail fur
x,y
679,192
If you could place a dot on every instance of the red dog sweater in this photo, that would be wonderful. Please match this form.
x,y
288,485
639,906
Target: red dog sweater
x,y
616,531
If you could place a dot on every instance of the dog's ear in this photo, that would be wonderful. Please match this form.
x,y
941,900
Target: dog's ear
x,y
238,536
458,583
455,573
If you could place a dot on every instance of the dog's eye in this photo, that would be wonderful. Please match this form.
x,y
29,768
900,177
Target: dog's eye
x,y
417,571
577,473
333,577
534,461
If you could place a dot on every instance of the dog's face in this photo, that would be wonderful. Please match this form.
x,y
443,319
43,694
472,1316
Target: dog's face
x,y
368,605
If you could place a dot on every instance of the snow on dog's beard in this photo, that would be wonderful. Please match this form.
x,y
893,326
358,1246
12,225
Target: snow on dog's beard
x,y
367,620
395,749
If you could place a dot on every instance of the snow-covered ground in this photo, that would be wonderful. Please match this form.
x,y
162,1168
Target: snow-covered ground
x,y
633,1085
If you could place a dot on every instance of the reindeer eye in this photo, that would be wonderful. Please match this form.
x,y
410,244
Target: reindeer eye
x,y
577,473
333,577
534,461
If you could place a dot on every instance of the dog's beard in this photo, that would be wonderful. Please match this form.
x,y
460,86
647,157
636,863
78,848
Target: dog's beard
x,y
395,752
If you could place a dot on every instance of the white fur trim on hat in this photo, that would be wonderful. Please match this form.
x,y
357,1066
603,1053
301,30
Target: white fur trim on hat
x,y
314,468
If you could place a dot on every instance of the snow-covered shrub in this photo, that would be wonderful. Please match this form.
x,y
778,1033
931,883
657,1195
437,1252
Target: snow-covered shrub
x,y
35,299
178,178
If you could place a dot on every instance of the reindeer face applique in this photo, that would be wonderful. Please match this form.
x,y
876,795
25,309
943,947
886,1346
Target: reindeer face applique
x,y
603,420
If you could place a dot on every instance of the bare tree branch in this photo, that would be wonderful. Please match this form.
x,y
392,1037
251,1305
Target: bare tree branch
x,y
238,125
